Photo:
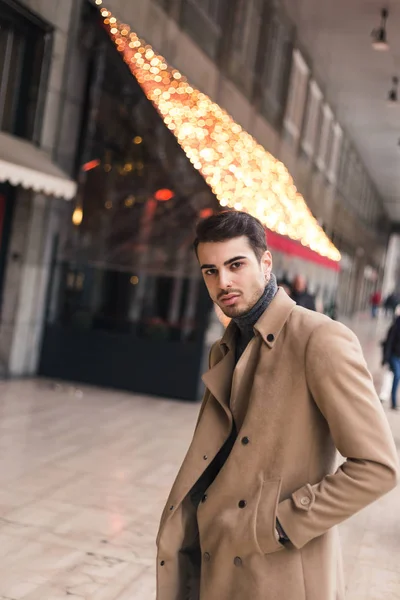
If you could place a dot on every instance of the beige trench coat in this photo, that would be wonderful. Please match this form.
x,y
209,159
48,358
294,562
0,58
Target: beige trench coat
x,y
300,390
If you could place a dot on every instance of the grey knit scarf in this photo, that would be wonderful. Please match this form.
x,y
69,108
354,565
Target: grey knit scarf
x,y
246,322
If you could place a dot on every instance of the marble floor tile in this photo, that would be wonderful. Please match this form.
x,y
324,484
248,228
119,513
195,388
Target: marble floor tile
x,y
42,513
144,587
373,583
93,521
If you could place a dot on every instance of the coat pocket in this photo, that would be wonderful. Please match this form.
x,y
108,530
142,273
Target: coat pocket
x,y
266,516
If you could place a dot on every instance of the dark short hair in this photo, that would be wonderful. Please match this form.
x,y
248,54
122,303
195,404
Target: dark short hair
x,y
231,224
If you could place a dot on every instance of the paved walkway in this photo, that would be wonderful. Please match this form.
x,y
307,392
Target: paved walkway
x,y
84,475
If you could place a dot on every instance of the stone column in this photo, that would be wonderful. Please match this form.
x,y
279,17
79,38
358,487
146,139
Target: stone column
x,y
358,283
26,282
392,264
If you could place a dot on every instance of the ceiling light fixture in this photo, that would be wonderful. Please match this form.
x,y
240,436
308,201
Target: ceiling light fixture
x,y
393,95
379,35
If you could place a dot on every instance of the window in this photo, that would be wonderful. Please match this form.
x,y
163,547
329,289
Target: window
x,y
343,169
274,58
333,164
352,179
324,148
312,118
244,42
297,95
350,168
203,19
22,51
364,197
371,209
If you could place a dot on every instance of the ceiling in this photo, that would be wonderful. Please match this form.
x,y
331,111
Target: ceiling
x,y
356,79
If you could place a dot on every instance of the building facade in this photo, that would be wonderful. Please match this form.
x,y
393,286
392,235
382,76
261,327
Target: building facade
x,y
247,57
33,43
105,289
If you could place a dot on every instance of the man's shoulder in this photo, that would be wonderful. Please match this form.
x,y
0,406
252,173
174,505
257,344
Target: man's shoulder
x,y
310,322
309,318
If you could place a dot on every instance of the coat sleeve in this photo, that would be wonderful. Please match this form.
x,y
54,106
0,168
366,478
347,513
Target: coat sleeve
x,y
342,388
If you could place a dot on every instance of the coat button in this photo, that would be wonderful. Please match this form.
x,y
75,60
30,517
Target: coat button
x,y
206,556
237,561
305,501
204,498
171,507
242,503
245,441
205,457
270,337
162,563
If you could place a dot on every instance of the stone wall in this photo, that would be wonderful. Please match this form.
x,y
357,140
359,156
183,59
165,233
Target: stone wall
x,y
36,217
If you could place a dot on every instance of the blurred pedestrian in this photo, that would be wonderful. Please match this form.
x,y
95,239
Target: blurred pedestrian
x,y
300,294
285,284
391,356
390,304
375,302
331,309
253,510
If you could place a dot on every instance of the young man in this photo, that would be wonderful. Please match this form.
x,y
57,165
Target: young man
x,y
253,512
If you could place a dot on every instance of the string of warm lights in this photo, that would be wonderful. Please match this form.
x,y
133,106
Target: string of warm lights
x,y
240,172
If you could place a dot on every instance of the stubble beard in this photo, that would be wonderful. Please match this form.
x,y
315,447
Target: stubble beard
x,y
234,311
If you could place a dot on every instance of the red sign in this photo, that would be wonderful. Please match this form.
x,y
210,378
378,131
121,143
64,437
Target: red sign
x,y
285,245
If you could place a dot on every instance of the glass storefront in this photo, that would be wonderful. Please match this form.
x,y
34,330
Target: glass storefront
x,y
126,304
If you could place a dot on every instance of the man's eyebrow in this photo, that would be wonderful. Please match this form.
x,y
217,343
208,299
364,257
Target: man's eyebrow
x,y
232,260
226,263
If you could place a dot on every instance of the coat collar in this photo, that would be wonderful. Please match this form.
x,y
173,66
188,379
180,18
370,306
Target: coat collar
x,y
271,322
269,325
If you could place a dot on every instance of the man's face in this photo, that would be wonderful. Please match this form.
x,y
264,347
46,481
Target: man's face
x,y
234,276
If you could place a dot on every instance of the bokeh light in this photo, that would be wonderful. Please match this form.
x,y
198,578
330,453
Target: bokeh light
x,y
239,171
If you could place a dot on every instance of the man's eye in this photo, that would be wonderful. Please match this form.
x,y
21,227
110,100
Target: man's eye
x,y
210,272
236,265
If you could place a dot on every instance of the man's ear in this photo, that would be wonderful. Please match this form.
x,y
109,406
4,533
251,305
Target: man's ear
x,y
266,261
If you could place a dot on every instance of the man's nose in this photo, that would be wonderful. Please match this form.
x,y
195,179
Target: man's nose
x,y
225,280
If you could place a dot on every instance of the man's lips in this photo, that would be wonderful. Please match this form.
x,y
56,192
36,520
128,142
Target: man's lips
x,y
229,298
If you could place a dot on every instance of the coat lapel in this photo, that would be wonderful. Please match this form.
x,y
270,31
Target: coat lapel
x,y
242,381
218,379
